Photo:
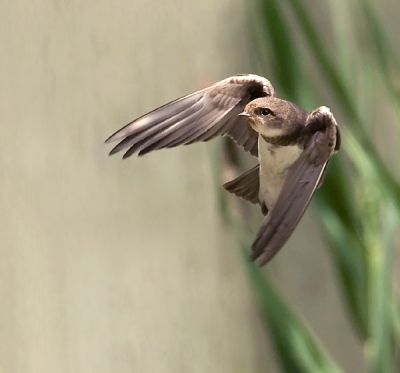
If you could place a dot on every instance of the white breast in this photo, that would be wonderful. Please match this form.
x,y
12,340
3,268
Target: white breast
x,y
274,163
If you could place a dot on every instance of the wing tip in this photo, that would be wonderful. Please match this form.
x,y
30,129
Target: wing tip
x,y
113,137
113,151
264,256
128,153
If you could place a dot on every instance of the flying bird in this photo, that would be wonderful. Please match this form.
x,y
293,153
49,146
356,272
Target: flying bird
x,y
293,147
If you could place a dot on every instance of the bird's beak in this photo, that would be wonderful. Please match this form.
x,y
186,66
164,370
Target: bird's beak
x,y
244,114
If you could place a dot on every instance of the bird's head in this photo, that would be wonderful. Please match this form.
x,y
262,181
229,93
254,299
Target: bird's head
x,y
272,117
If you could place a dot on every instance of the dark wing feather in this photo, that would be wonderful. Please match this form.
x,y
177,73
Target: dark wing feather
x,y
302,180
199,116
286,214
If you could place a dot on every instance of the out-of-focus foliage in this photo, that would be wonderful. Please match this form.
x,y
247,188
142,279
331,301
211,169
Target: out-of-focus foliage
x,y
359,203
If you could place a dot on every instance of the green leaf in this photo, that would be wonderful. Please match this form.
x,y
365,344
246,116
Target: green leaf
x,y
381,341
297,349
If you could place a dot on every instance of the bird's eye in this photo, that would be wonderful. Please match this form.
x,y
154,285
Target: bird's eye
x,y
266,112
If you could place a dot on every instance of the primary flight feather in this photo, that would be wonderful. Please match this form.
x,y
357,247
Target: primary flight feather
x,y
293,147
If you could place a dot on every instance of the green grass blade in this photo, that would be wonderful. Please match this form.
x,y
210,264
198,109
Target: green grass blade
x,y
385,54
381,343
296,348
286,65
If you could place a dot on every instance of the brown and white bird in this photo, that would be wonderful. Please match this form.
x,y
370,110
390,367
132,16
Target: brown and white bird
x,y
293,146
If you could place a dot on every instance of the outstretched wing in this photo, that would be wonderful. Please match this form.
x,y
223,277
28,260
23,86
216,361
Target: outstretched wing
x,y
199,116
303,178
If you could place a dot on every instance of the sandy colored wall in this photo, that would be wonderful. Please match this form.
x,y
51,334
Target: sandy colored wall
x,y
111,266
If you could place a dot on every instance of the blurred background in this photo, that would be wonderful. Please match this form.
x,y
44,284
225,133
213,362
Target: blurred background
x,y
141,265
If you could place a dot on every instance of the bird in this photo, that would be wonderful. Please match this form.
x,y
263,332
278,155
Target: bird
x,y
292,146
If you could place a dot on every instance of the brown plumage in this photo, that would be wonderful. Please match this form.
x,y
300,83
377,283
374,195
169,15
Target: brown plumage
x,y
292,145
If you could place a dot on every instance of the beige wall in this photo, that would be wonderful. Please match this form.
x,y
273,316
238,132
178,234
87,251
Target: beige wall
x,y
111,266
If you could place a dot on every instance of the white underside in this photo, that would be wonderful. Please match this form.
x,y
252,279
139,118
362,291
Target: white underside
x,y
274,164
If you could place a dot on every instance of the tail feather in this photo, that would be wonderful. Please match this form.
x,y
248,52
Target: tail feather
x,y
246,186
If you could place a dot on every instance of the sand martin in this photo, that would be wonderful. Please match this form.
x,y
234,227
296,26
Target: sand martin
x,y
293,147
